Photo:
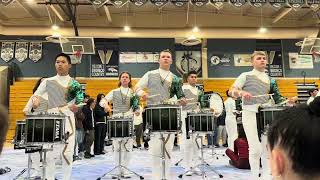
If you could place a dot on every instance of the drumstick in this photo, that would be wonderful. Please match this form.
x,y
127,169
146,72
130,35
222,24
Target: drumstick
x,y
262,95
81,104
153,95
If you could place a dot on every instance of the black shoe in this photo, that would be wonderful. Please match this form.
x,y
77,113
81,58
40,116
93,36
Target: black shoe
x,y
91,155
102,152
225,145
87,156
97,154
216,146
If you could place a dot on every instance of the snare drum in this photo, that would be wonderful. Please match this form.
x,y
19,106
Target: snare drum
x,y
163,118
45,128
120,127
19,138
201,122
265,117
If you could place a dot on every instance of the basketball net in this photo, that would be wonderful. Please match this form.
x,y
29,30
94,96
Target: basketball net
x,y
316,56
76,57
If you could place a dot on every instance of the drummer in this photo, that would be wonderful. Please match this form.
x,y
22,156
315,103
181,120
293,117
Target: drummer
x,y
63,94
124,103
195,102
162,85
248,85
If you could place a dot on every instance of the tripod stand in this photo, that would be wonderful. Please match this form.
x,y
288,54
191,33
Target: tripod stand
x,y
203,165
29,150
120,167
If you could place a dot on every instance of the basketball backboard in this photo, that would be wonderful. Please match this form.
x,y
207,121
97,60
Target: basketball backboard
x,y
70,45
310,46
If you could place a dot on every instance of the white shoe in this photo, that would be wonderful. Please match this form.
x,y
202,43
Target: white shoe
x,y
189,173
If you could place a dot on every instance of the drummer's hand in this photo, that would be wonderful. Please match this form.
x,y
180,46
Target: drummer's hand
x,y
35,102
182,101
137,113
144,96
107,108
245,95
73,108
211,109
292,100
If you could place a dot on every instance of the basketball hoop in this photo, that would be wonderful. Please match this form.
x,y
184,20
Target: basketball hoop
x,y
316,56
76,57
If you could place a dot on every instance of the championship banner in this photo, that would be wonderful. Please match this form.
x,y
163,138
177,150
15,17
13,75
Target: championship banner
x,y
119,3
277,3
296,4
159,3
21,51
106,64
179,3
35,51
275,66
199,3
314,4
7,49
218,3
187,61
139,2
5,2
258,3
238,3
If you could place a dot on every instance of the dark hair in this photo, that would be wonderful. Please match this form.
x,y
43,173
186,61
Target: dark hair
x,y
90,101
64,55
37,84
192,72
311,91
3,125
86,96
99,97
227,93
296,131
241,132
125,72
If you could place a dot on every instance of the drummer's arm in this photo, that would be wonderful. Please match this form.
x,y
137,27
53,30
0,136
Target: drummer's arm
x,y
216,105
201,100
41,90
177,90
235,89
142,83
278,98
28,107
105,102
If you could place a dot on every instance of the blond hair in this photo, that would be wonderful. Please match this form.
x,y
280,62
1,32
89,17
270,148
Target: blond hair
x,y
256,53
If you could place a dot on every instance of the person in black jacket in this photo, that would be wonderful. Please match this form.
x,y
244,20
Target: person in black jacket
x,y
100,127
88,126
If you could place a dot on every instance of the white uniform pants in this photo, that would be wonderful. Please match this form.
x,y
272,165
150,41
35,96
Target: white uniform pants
x,y
232,131
126,149
155,151
67,155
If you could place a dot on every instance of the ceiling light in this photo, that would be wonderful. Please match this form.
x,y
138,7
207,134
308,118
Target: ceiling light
x,y
195,29
262,30
126,28
55,27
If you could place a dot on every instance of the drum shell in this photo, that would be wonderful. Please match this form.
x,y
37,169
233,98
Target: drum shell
x,y
265,117
120,128
163,118
45,129
20,131
201,122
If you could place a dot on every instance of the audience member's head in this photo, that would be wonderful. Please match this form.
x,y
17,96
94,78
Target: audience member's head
x,y
86,98
99,97
241,132
294,143
3,125
313,92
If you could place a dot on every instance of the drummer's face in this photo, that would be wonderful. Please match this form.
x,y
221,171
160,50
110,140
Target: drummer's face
x,y
259,62
124,79
192,79
62,66
165,60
